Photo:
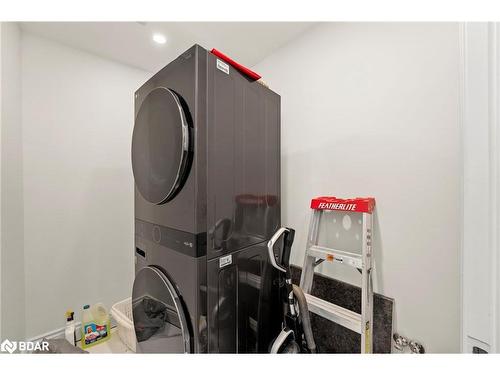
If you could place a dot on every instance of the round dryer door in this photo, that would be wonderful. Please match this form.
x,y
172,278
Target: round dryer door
x,y
160,321
161,146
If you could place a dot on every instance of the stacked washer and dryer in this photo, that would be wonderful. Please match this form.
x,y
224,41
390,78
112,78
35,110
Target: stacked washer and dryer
x,y
206,163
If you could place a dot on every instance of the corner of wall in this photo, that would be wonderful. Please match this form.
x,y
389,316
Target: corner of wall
x,y
1,81
12,276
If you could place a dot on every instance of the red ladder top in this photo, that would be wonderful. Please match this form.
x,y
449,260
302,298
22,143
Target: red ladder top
x,y
354,204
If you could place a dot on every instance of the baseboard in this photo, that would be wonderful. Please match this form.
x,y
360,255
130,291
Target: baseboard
x,y
59,333
56,334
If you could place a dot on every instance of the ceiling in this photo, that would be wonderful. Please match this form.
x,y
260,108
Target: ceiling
x,y
131,42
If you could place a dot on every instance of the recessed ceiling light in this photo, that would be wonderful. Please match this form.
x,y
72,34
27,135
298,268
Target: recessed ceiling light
x,y
159,38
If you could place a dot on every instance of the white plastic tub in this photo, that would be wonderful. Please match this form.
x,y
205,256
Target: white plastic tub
x,y
122,313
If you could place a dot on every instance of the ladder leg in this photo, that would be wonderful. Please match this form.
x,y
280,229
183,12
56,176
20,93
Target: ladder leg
x,y
306,277
370,307
367,288
366,313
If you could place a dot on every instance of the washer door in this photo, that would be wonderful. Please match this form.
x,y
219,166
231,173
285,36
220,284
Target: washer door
x,y
160,320
161,146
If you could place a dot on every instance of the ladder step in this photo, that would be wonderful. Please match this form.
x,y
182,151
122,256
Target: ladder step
x,y
339,256
335,313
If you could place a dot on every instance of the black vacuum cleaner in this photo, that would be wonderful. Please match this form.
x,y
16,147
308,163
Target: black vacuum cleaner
x,y
296,334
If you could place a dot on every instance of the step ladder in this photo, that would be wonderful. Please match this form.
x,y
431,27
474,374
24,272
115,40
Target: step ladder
x,y
361,259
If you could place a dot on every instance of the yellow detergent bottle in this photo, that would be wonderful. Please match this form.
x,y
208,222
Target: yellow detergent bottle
x,y
96,326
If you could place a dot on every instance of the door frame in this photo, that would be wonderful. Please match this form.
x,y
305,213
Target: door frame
x,y
480,253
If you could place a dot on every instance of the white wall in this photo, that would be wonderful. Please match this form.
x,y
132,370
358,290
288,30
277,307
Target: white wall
x,y
78,185
372,110
12,254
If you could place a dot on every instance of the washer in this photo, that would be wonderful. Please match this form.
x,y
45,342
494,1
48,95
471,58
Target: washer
x,y
206,164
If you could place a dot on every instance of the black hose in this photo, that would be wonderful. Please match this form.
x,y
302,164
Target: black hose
x,y
306,320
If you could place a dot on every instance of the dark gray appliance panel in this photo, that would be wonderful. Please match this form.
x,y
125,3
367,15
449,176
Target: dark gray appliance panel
x,y
243,161
188,274
179,213
243,302
160,320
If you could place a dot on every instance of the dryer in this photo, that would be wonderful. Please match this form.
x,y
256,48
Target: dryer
x,y
206,164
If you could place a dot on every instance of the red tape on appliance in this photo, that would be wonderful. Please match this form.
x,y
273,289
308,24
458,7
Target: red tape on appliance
x,y
243,69
333,203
